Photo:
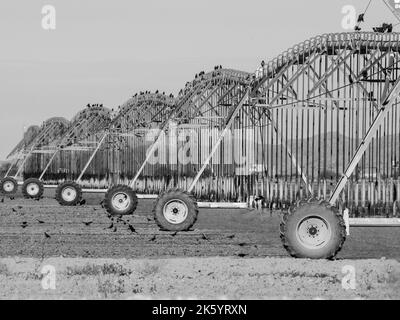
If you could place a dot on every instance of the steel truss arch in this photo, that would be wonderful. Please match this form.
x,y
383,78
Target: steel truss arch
x,y
323,96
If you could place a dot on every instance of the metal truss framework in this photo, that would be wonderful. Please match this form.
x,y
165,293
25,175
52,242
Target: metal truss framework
x,y
323,112
82,135
126,132
334,98
213,100
47,134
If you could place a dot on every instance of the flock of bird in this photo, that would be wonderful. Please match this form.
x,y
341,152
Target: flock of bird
x,y
115,224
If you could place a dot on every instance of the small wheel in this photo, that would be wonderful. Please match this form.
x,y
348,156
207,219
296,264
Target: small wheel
x,y
120,201
33,189
176,210
9,186
69,194
313,231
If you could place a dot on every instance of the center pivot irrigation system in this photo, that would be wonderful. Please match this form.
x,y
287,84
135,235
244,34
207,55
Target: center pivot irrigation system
x,y
138,114
40,142
316,128
57,136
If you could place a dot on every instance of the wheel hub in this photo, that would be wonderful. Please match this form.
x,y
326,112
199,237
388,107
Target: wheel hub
x,y
175,211
32,189
121,201
314,232
8,186
69,194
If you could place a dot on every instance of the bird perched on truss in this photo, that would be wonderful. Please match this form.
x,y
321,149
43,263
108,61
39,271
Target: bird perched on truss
x,y
385,28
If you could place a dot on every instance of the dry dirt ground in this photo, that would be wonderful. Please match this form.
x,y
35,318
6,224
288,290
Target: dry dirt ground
x,y
197,278
230,253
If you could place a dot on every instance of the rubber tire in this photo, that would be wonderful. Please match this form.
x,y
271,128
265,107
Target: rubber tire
x,y
12,180
69,184
25,188
120,189
187,198
294,216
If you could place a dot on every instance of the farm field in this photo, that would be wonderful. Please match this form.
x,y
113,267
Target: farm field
x,y
226,246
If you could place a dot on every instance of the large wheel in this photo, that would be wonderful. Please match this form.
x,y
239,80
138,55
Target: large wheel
x,y
176,210
313,230
120,201
33,189
9,186
69,194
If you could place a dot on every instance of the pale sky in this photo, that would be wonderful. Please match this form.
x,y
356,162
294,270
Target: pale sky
x,y
106,51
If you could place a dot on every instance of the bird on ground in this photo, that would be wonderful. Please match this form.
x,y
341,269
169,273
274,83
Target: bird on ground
x,y
204,237
174,234
47,235
242,255
39,221
231,237
153,238
2,200
87,224
131,228
82,203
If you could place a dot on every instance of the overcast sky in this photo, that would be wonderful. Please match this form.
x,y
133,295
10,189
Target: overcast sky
x,y
105,51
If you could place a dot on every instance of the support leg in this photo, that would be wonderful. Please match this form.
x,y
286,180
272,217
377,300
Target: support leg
x,y
383,112
217,144
92,157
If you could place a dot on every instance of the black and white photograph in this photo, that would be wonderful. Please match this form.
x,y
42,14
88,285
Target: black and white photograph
x,y
199,155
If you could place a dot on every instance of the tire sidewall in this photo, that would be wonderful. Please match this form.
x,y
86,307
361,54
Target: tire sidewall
x,y
13,181
327,251
71,185
176,195
32,181
121,189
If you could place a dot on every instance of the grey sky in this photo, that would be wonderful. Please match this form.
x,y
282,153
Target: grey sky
x,y
105,51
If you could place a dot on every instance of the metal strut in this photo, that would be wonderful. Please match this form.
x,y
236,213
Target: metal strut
x,y
384,109
92,157
48,164
221,137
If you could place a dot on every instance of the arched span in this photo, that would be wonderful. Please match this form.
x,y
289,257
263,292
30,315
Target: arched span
x,y
319,100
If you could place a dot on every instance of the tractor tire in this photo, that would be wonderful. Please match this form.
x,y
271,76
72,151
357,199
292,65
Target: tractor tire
x,y
120,201
9,186
313,230
176,210
69,194
32,189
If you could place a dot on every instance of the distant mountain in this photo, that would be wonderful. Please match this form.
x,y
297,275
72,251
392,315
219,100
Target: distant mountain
x,y
336,150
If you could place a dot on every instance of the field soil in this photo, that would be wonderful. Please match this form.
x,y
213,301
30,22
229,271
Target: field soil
x,y
197,278
229,253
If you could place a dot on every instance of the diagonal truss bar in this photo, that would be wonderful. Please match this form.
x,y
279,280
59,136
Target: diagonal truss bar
x,y
298,74
384,109
346,66
221,137
331,70
92,157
